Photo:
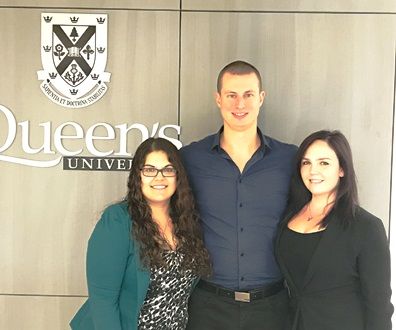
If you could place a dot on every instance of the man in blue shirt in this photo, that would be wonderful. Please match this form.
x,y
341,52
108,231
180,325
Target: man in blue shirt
x,y
240,179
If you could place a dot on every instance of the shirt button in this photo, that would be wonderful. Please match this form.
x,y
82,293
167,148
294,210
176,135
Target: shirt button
x,y
241,228
242,278
240,180
242,254
240,204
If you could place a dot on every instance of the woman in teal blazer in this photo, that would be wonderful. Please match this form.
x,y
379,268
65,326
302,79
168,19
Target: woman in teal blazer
x,y
155,231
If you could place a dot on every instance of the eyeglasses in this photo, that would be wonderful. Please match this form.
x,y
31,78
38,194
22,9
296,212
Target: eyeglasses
x,y
152,172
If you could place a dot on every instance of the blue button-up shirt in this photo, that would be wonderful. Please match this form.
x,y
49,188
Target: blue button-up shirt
x,y
240,212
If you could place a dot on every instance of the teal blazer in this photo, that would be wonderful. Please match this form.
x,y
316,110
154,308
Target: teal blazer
x,y
117,283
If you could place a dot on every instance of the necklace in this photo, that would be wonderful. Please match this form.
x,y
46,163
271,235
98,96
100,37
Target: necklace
x,y
322,214
164,229
310,217
168,238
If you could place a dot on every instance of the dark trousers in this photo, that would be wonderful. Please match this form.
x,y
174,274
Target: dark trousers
x,y
208,311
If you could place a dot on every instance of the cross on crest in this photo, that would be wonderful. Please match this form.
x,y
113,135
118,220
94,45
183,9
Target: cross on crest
x,y
71,61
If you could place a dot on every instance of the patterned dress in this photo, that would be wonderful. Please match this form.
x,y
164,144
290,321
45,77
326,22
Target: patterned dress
x,y
165,306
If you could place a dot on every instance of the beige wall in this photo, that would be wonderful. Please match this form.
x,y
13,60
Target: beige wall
x,y
324,66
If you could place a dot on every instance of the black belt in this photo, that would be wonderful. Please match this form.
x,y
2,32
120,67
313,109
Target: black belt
x,y
245,296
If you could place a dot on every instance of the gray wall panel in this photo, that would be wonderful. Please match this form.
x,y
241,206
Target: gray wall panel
x,y
48,214
37,313
319,71
292,5
132,4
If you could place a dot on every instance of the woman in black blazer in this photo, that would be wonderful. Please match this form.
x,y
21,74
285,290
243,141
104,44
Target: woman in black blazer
x,y
334,255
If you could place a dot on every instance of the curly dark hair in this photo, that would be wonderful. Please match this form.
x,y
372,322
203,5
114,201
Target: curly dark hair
x,y
185,219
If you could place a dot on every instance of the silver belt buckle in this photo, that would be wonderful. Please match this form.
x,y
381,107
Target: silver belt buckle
x,y
242,296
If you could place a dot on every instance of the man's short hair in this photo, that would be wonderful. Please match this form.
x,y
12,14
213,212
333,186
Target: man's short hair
x,y
238,68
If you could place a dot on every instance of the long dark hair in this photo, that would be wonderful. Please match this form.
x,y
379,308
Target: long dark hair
x,y
182,211
346,196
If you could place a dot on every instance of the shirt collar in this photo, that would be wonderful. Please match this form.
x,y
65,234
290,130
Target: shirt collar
x,y
216,140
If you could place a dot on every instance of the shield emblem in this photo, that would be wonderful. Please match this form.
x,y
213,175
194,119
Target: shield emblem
x,y
73,54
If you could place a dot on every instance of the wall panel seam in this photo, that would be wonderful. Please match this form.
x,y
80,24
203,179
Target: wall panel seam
x,y
392,144
291,12
179,70
208,11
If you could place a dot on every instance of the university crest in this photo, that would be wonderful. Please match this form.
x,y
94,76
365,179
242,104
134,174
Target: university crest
x,y
74,56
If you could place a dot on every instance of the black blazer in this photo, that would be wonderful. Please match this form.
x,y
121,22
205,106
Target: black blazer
x,y
347,283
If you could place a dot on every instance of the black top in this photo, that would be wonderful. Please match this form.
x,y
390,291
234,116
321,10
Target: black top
x,y
297,250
